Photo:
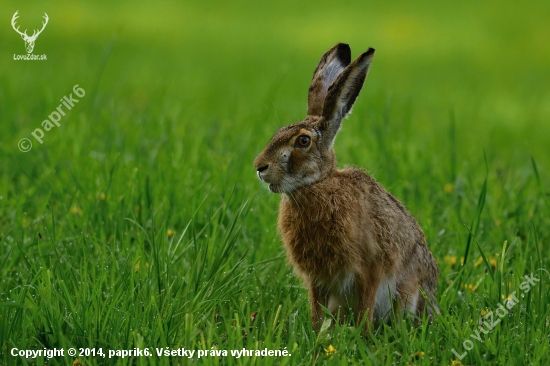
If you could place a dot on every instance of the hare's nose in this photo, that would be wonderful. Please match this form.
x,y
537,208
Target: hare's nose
x,y
261,170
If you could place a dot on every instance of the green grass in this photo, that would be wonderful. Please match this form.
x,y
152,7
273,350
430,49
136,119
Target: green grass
x,y
139,222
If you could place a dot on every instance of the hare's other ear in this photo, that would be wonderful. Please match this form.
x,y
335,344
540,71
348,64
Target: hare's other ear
x,y
343,92
333,62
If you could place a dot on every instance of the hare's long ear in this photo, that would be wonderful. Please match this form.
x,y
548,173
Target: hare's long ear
x,y
343,92
333,62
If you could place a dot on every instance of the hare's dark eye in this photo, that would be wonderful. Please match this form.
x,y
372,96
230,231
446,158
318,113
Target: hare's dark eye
x,y
303,141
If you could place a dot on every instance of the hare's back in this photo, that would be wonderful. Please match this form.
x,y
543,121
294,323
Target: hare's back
x,y
388,219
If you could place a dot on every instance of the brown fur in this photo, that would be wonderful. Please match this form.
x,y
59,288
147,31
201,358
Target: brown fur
x,y
355,246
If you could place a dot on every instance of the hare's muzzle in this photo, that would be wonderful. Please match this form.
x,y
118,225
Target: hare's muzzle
x,y
275,188
262,169
262,172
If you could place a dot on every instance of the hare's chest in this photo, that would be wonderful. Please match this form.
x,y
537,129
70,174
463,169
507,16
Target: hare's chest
x,y
315,247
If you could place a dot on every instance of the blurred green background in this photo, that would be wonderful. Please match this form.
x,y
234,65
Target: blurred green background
x,y
181,96
487,61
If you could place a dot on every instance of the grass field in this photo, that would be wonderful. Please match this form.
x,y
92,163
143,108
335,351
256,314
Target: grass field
x,y
139,221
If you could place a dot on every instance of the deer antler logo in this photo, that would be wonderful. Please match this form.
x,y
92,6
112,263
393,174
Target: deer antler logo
x,y
29,40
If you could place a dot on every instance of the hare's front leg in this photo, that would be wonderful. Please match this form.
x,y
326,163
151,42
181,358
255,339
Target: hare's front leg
x,y
317,297
367,286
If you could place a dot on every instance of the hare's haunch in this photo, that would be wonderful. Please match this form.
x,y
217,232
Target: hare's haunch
x,y
355,246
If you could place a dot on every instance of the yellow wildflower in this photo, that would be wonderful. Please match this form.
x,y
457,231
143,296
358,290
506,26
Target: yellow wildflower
x,y
330,350
451,259
76,211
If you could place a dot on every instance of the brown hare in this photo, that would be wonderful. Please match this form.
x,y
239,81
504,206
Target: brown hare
x,y
355,246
